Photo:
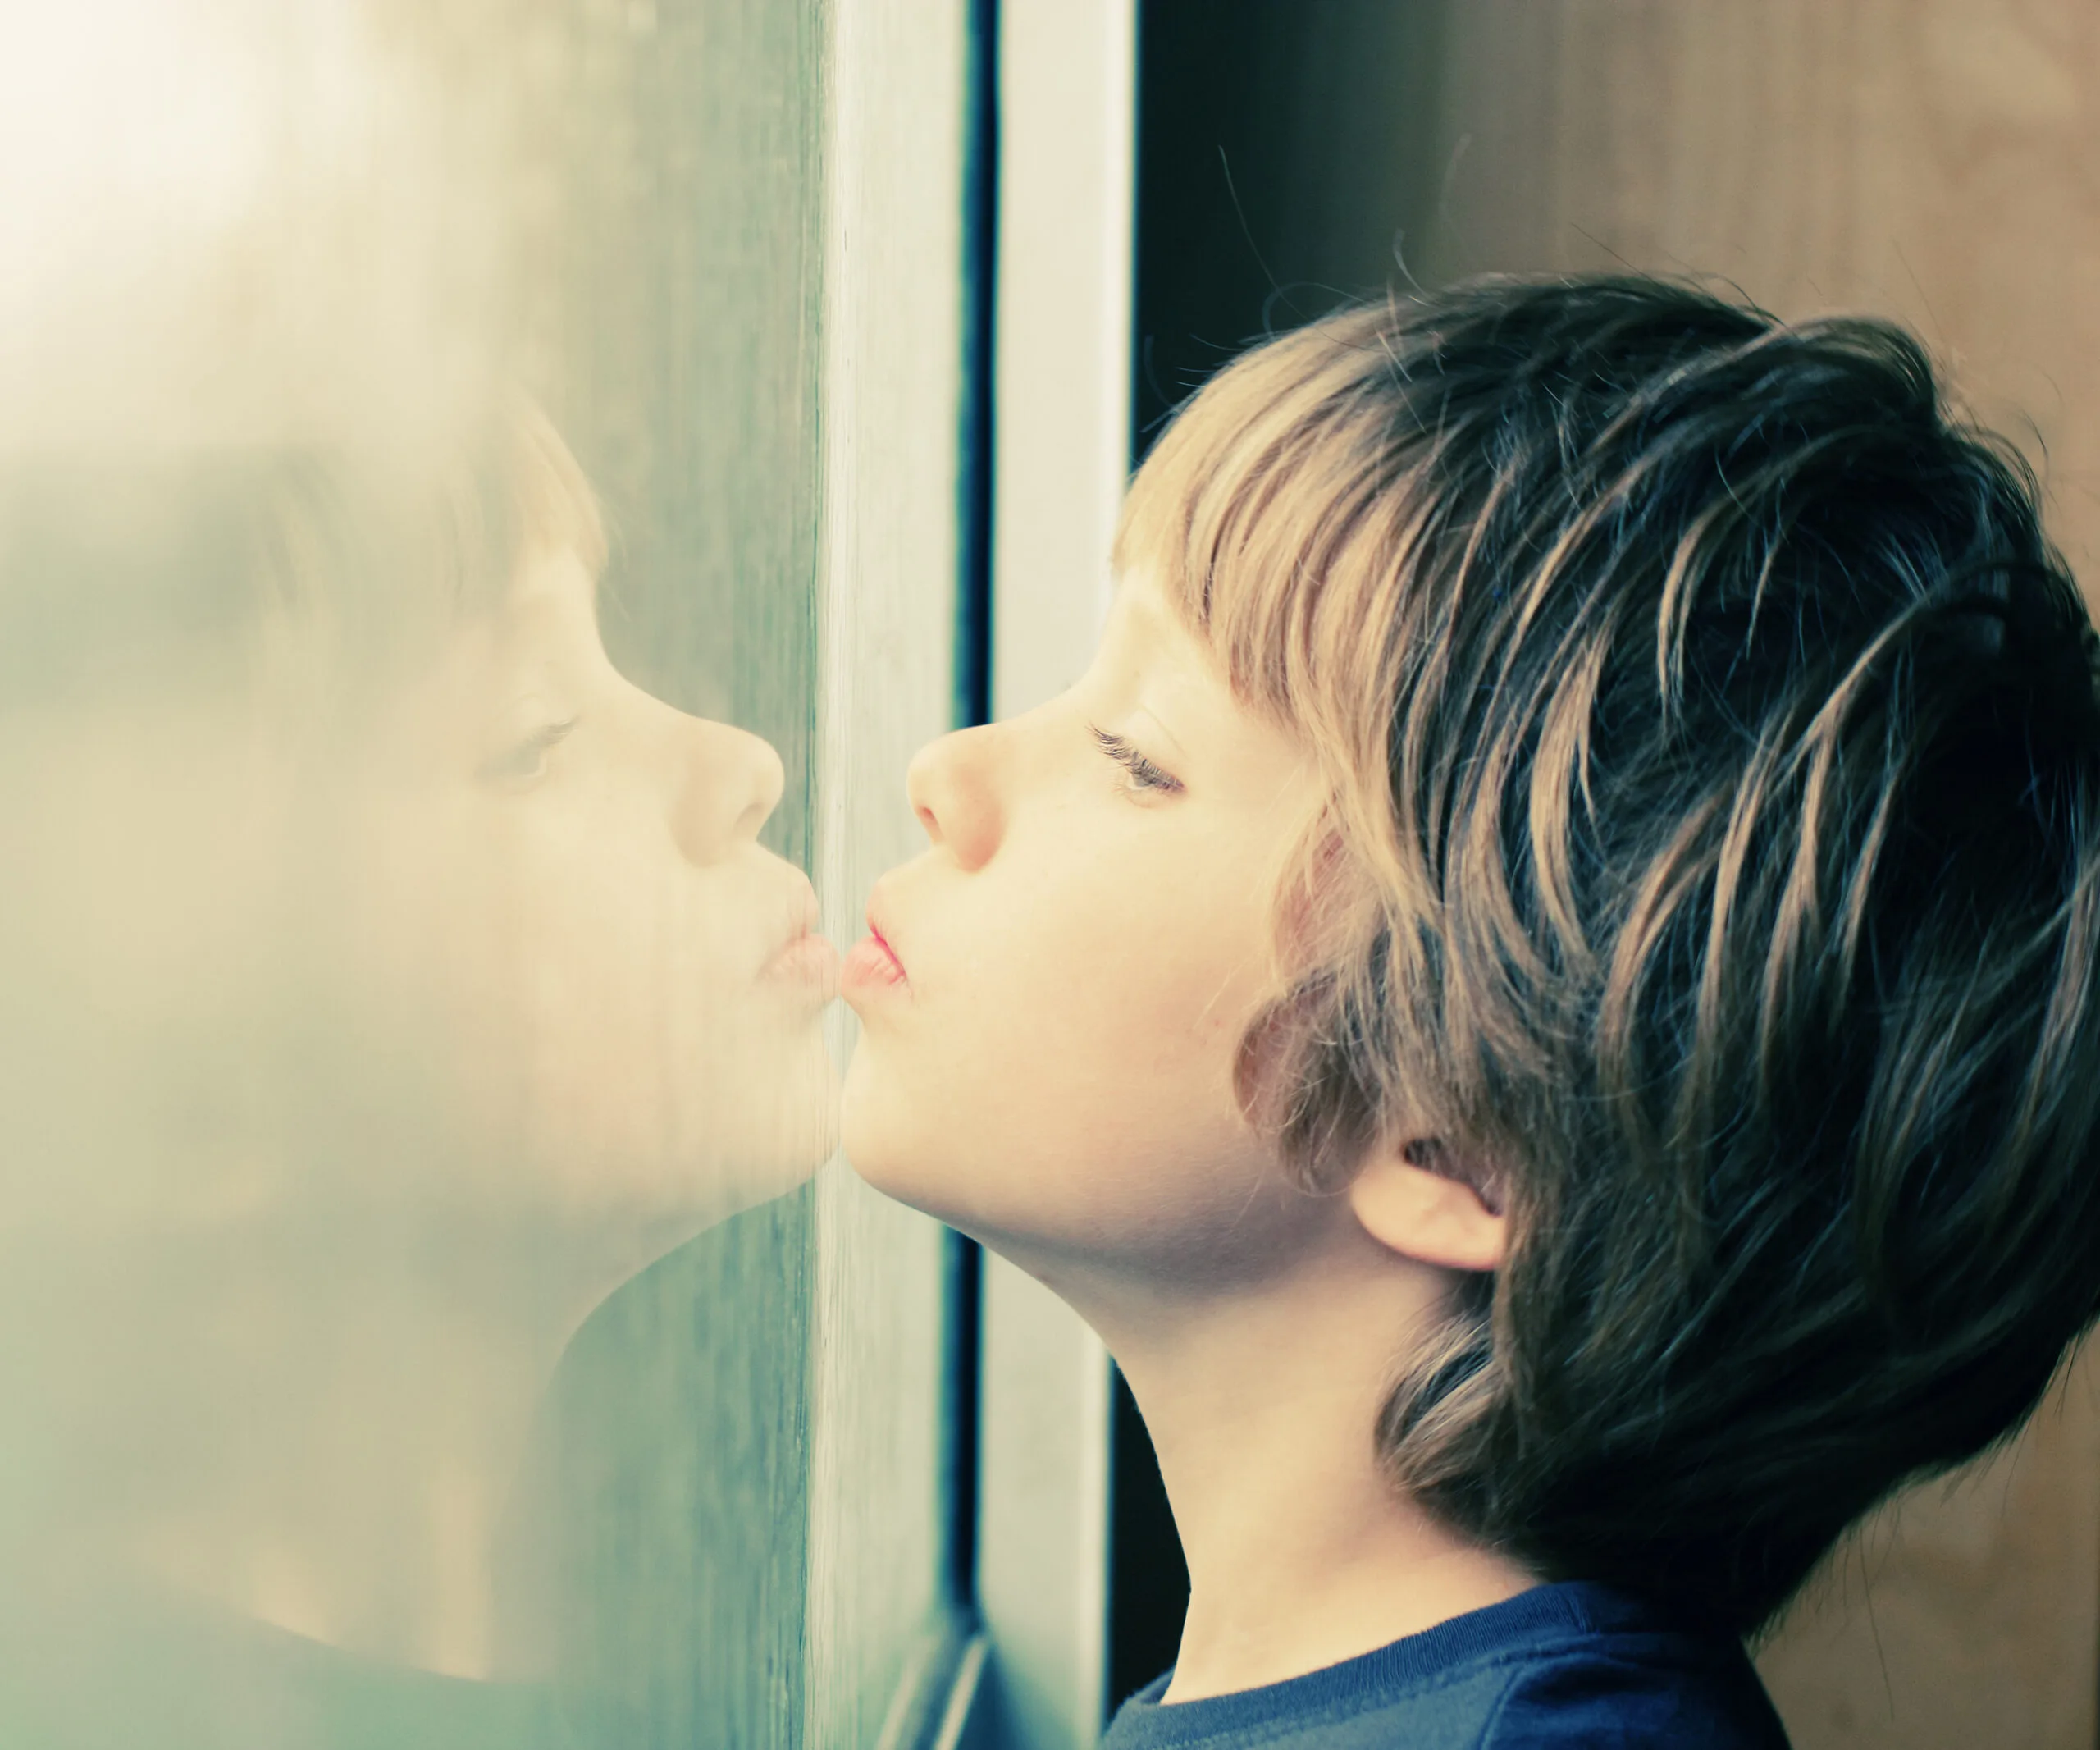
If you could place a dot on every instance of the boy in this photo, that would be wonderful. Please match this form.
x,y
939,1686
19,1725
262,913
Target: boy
x,y
1538,995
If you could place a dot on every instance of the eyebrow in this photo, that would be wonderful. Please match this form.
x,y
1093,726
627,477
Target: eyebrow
x,y
1180,748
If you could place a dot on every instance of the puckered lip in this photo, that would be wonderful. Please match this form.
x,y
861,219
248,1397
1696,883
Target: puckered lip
x,y
802,956
874,960
800,905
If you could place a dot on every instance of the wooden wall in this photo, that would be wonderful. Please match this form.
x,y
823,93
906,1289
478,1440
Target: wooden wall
x,y
1937,161
1934,160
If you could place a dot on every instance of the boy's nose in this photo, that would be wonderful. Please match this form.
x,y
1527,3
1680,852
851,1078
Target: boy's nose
x,y
726,786
950,786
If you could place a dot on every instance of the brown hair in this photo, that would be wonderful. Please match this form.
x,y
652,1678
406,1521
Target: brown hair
x,y
1713,846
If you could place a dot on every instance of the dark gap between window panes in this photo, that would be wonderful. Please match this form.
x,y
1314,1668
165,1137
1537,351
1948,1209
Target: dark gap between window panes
x,y
1148,1581
972,684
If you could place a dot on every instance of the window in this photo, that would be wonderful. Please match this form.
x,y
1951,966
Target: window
x,y
484,518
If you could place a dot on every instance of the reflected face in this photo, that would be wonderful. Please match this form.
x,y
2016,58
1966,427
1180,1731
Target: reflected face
x,y
499,937
564,899
1054,994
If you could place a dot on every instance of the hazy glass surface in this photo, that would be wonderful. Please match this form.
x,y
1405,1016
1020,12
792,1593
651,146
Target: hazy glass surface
x,y
416,1319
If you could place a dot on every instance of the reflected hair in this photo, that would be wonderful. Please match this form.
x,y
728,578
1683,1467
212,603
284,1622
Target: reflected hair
x,y
362,559
322,566
1711,845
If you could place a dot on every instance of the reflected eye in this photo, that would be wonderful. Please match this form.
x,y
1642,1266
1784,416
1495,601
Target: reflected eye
x,y
1143,774
524,762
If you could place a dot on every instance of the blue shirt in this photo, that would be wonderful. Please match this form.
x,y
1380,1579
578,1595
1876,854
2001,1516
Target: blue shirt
x,y
1554,1668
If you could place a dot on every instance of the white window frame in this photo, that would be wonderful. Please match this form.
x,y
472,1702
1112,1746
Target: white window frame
x,y
893,390
1067,83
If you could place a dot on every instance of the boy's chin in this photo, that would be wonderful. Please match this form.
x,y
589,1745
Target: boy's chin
x,y
874,1153
888,1151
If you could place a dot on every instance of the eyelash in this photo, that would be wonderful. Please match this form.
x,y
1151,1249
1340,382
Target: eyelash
x,y
526,759
1144,775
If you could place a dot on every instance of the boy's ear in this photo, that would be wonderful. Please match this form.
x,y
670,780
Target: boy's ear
x,y
1420,1199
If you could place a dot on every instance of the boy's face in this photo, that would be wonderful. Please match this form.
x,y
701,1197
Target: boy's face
x,y
1054,994
566,873
501,937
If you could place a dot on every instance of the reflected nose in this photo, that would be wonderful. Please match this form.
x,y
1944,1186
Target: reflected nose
x,y
729,784
951,788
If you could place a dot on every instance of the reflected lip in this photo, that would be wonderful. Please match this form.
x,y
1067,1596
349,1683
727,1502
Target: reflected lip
x,y
872,964
806,958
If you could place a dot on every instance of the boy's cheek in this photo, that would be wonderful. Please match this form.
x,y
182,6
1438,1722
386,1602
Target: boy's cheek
x,y
1071,1129
1069,1028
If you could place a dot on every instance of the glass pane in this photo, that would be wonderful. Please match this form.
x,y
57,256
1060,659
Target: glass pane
x,y
894,416
430,683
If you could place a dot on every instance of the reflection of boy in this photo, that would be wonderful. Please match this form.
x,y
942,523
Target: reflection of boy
x,y
1687,970
479,993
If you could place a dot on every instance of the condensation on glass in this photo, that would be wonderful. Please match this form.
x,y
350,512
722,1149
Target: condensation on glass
x,y
450,455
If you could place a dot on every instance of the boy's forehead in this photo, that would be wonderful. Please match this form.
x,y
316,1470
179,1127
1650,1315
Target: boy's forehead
x,y
551,591
1181,685
557,575
1139,608
1146,635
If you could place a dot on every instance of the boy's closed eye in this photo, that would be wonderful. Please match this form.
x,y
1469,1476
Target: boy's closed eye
x,y
524,762
1144,774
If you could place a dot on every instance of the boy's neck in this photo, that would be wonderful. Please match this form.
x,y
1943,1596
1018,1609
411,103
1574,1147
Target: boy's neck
x,y
1301,1551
